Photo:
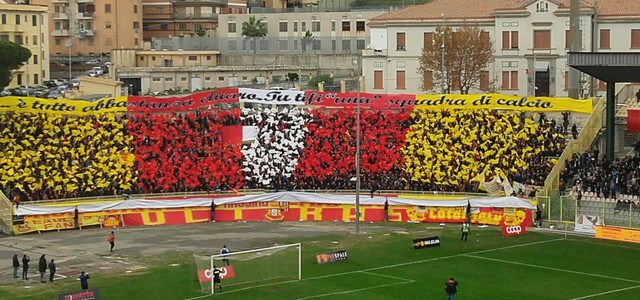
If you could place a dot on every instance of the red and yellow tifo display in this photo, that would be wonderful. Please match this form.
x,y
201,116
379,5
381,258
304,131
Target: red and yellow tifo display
x,y
282,206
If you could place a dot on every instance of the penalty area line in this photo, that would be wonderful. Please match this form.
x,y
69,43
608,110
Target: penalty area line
x,y
353,291
607,292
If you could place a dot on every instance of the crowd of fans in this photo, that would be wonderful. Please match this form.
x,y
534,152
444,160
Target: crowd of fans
x,y
454,150
48,156
185,152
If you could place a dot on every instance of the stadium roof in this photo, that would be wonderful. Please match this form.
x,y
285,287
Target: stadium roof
x,y
609,67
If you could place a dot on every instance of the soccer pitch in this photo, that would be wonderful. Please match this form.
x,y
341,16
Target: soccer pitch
x,y
383,265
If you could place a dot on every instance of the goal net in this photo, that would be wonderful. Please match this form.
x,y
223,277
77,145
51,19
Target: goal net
x,y
250,268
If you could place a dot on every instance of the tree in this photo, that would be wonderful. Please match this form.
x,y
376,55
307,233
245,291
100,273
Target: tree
x,y
467,52
254,28
313,82
306,40
12,57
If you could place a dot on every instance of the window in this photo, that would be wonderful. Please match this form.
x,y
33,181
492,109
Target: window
x,y
193,57
605,39
485,38
183,26
509,80
245,78
333,26
153,58
141,58
566,80
400,80
484,80
17,19
295,26
377,80
542,6
207,78
136,25
315,26
264,44
400,41
427,40
4,19
107,8
168,79
167,63
427,80
156,79
360,26
334,45
34,39
567,38
282,45
315,45
220,78
4,37
303,26
635,38
509,40
35,59
19,79
233,45
360,44
183,79
284,26
107,25
17,39
346,46
541,39
36,79
346,25
58,42
135,9
208,57
231,27
34,20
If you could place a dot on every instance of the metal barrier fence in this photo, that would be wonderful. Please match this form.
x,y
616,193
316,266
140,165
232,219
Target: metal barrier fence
x,y
6,213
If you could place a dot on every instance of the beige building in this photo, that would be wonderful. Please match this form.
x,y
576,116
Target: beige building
x,y
176,18
92,27
99,86
27,25
147,71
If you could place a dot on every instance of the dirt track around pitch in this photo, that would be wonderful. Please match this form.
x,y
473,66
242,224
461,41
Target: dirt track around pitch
x,y
88,250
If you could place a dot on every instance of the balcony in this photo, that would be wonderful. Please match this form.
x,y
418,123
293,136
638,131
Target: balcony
x,y
61,32
60,1
84,1
200,16
85,15
209,2
89,32
60,16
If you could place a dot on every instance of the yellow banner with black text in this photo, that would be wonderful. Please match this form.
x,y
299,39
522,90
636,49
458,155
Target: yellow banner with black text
x,y
502,102
69,107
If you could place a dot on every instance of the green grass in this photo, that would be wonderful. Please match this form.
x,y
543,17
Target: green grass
x,y
385,266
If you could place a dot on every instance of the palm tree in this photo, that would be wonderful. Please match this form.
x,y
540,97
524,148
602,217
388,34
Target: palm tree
x,y
306,40
253,29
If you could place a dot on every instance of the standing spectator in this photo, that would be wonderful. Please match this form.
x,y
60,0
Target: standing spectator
x,y
25,267
213,211
84,280
386,210
16,265
52,270
574,131
451,288
225,259
638,96
465,231
538,217
42,267
75,218
112,240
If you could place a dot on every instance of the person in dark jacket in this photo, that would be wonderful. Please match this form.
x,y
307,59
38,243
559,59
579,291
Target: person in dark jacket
x,y
16,265
84,280
25,267
451,288
52,270
42,267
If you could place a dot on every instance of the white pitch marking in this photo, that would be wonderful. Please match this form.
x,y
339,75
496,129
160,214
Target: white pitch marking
x,y
608,292
352,291
388,276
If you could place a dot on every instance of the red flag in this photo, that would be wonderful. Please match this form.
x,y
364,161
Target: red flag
x,y
633,120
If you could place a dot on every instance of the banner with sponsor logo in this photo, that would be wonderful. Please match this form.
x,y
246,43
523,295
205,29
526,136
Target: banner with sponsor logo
x,y
90,294
63,107
587,223
618,234
503,102
331,257
513,230
427,242
205,275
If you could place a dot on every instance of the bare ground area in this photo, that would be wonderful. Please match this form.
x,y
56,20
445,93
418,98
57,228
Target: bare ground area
x,y
137,247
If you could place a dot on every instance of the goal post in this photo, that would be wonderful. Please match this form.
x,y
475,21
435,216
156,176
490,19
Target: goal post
x,y
250,268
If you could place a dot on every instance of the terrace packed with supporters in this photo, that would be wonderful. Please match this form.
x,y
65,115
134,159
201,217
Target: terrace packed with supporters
x,y
48,156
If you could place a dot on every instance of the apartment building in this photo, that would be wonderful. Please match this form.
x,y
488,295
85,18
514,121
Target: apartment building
x,y
93,27
162,18
331,33
27,25
530,42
